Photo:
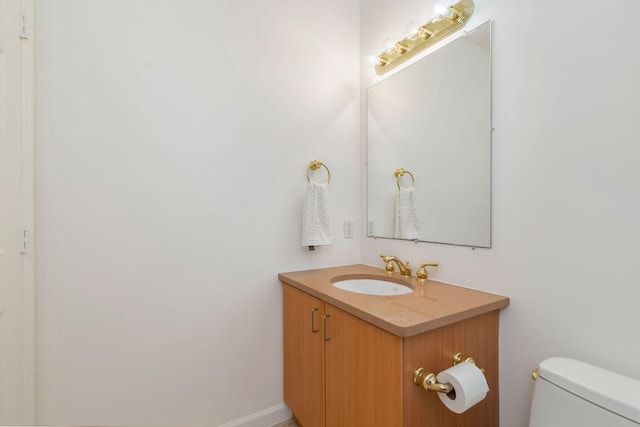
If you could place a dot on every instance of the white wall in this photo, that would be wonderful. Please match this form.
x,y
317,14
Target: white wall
x,y
172,141
172,145
565,194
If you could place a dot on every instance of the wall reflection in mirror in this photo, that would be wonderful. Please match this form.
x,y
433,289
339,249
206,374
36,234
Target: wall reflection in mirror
x,y
432,122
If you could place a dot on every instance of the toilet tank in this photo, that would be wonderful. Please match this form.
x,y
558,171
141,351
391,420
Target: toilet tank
x,y
570,393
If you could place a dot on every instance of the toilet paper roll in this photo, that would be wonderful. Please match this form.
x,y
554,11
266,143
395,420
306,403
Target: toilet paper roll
x,y
469,384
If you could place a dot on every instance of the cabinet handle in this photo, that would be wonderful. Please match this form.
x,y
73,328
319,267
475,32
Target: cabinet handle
x,y
313,320
324,324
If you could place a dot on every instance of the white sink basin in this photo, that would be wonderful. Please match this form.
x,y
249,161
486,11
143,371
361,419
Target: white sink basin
x,y
370,286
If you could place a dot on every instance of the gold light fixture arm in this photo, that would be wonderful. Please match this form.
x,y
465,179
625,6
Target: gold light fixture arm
x,y
454,18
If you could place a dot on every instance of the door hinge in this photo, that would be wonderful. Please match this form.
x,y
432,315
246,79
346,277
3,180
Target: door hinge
x,y
25,239
24,25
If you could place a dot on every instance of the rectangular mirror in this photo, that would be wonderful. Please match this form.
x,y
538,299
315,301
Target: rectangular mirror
x,y
430,124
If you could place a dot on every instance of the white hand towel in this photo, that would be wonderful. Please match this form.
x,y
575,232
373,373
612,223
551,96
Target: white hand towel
x,y
407,224
316,216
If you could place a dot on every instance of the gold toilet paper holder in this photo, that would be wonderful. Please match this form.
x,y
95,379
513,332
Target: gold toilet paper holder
x,y
427,380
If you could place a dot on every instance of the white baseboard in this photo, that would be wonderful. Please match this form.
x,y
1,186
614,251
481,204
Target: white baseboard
x,y
265,418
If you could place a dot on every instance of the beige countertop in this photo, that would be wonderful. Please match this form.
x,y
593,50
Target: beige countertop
x,y
432,304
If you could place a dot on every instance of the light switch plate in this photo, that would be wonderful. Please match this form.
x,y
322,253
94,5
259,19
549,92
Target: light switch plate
x,y
348,229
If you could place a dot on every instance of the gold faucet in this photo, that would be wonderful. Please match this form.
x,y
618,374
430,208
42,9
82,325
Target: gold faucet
x,y
422,274
405,271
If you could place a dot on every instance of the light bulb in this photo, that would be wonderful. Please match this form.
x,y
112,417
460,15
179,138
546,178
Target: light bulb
x,y
388,44
451,13
411,30
440,10
376,60
444,12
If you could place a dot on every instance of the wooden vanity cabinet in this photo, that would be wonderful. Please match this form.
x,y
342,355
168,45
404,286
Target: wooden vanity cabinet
x,y
341,371
338,369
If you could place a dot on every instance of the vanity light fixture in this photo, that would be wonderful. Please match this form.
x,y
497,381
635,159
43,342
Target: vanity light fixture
x,y
451,20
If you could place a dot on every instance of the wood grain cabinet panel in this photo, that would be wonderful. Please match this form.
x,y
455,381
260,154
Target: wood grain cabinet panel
x,y
476,337
363,373
304,361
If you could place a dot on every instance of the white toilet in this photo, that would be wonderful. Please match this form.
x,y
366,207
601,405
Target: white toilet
x,y
569,393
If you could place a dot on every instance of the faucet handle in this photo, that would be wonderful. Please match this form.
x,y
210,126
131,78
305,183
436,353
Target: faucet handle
x,y
422,274
388,266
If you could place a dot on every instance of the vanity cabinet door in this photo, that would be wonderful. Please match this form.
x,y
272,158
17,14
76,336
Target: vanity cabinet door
x,y
304,363
363,373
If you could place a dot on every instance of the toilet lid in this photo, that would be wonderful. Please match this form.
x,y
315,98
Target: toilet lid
x,y
614,392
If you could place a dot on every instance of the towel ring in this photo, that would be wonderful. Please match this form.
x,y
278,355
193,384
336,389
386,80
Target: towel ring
x,y
315,165
400,172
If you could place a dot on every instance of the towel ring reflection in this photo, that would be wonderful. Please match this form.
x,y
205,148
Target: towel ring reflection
x,y
314,165
400,172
